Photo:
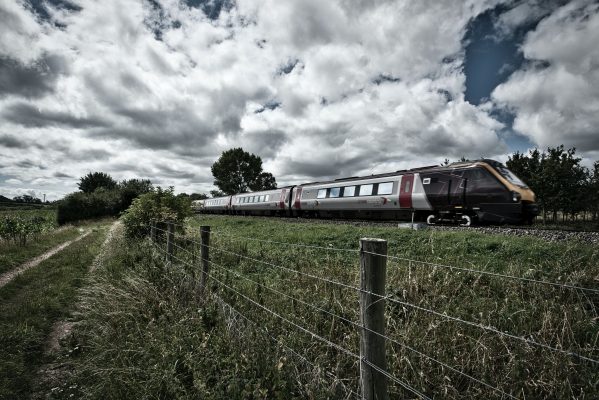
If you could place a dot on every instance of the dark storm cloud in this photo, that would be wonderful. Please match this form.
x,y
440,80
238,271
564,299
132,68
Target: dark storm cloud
x,y
12,142
171,172
29,164
159,129
29,116
316,170
33,80
265,143
62,175
88,154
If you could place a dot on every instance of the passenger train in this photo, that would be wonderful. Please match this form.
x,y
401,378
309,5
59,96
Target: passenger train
x,y
464,193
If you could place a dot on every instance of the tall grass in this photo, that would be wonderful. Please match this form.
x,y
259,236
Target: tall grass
x,y
147,334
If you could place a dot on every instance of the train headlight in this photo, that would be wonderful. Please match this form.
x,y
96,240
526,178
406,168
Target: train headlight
x,y
516,197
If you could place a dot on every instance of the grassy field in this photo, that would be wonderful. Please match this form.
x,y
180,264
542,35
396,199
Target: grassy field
x,y
145,333
32,302
13,254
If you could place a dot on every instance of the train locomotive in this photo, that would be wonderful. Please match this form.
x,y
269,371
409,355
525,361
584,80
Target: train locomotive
x,y
464,193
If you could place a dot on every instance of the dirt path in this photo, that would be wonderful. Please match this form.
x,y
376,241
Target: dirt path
x,y
53,375
10,275
62,329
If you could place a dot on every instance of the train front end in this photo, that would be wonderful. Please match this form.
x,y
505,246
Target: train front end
x,y
521,194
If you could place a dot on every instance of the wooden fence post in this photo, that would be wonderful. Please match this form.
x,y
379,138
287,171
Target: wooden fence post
x,y
170,238
373,271
153,230
204,256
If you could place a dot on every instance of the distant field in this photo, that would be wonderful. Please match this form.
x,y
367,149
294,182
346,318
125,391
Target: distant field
x,y
140,312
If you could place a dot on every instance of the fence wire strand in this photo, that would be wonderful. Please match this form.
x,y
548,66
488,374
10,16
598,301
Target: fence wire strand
x,y
313,334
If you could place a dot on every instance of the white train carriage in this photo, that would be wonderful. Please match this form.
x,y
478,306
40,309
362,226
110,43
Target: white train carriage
x,y
217,205
386,196
197,206
266,202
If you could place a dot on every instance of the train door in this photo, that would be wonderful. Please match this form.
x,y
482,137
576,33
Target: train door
x,y
457,188
282,201
405,190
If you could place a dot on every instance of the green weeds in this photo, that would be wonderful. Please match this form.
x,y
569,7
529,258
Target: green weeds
x,y
146,334
30,304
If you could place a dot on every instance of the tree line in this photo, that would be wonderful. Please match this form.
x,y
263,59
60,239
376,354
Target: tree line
x,y
561,183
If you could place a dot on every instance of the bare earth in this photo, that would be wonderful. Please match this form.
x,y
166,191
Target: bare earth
x,y
10,275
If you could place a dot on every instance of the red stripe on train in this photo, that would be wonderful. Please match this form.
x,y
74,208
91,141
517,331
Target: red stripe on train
x,y
405,191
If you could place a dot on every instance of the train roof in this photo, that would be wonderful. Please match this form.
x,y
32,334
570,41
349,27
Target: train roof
x,y
404,171
457,164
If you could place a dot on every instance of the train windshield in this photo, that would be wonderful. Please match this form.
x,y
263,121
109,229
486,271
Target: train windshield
x,y
510,176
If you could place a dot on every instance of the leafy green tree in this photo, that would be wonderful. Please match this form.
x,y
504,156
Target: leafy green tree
x,y
237,171
131,189
592,192
27,199
95,180
216,193
198,196
557,178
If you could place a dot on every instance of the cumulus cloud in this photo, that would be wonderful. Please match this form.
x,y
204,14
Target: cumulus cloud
x,y
160,88
555,96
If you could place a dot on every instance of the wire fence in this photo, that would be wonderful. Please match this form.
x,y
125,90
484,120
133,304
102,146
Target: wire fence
x,y
183,249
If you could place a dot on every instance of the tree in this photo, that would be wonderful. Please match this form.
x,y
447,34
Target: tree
x,y
133,188
198,196
592,195
556,177
237,171
94,180
27,199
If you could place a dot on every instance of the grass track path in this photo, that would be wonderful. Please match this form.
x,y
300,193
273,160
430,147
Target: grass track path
x,y
10,275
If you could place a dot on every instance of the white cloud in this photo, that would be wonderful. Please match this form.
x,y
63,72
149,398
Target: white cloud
x,y
555,97
374,86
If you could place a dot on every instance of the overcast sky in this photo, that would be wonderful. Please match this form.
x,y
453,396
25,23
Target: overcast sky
x,y
159,88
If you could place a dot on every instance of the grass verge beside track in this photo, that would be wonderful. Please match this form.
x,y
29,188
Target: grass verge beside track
x,y
31,303
144,333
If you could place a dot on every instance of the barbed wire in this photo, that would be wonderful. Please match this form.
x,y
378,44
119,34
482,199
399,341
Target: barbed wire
x,y
281,343
313,334
495,274
420,308
367,329
325,340
428,263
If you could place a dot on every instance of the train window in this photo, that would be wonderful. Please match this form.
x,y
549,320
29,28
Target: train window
x,y
263,198
322,193
334,192
407,187
349,191
365,190
385,188
266,197
426,181
256,199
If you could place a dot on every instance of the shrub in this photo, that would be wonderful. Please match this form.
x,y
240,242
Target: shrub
x,y
18,228
102,202
161,205
78,206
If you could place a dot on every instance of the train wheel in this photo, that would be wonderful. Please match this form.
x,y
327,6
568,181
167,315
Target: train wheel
x,y
431,219
466,221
